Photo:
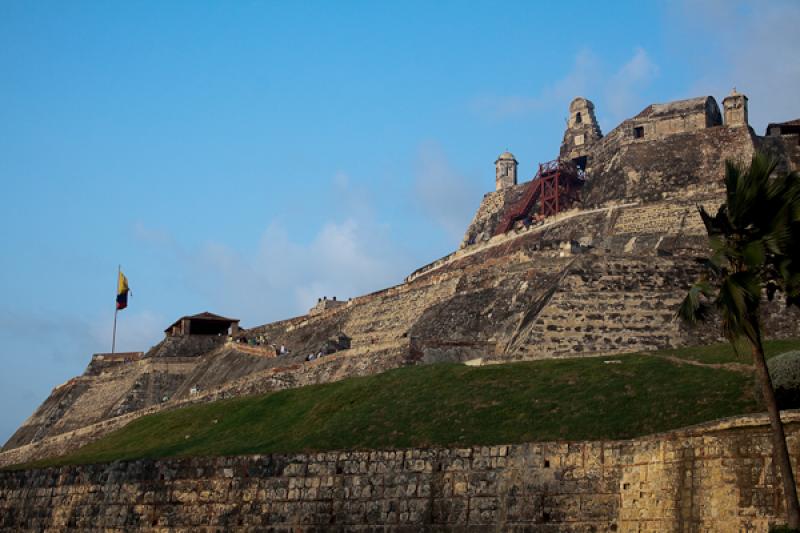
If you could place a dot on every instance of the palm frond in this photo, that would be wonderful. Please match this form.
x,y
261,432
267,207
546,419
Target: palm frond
x,y
755,248
737,301
754,253
732,178
709,221
695,307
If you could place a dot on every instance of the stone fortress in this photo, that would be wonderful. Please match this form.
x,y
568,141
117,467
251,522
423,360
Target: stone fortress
x,y
591,257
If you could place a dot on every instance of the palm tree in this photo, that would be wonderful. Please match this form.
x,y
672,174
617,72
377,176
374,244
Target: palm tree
x,y
755,244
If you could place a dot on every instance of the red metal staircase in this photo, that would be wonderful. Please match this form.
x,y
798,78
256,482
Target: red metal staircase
x,y
555,187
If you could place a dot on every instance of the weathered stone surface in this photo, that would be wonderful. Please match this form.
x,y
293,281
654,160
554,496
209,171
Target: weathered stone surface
x,y
332,368
581,133
716,477
602,278
585,283
646,169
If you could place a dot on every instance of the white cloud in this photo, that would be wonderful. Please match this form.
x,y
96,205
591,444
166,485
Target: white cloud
x,y
616,90
445,196
586,68
576,82
623,90
280,276
344,259
718,44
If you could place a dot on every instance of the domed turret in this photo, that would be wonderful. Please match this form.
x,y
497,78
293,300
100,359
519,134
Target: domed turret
x,y
505,171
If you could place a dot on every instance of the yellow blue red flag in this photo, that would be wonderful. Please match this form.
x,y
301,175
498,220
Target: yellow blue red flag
x,y
122,291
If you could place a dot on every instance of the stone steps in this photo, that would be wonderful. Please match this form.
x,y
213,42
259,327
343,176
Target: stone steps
x,y
664,218
98,399
609,306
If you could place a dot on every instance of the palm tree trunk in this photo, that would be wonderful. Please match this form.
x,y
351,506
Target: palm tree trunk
x,y
780,450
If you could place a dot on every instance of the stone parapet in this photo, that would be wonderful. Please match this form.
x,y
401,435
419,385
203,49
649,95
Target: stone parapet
x,y
713,477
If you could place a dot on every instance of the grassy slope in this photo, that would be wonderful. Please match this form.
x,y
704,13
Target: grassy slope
x,y
724,353
448,404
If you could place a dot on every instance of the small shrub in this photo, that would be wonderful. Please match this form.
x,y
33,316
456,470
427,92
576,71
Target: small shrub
x,y
784,370
783,529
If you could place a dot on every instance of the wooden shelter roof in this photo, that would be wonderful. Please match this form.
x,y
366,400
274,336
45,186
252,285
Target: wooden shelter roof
x,y
205,315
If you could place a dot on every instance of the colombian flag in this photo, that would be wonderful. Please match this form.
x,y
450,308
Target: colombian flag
x,y
122,291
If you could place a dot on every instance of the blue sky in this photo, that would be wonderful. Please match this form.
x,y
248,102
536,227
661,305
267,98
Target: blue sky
x,y
248,157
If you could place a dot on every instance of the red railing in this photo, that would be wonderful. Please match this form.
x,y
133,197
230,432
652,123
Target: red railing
x,y
555,187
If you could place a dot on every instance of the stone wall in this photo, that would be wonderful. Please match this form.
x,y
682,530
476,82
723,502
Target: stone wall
x,y
647,169
682,165
681,116
786,148
615,287
676,217
324,304
486,218
609,304
104,392
185,346
79,402
717,477
491,210
349,363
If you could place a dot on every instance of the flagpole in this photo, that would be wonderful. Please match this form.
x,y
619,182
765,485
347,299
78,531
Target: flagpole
x,y
114,335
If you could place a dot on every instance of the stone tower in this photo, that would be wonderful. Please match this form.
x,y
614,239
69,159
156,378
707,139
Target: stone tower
x,y
735,106
582,131
505,171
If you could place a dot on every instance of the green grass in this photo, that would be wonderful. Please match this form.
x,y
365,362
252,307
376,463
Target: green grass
x,y
447,405
724,353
